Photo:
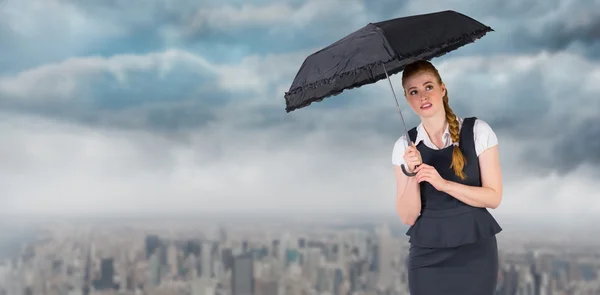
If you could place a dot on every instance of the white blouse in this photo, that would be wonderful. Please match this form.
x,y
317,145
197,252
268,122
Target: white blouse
x,y
485,138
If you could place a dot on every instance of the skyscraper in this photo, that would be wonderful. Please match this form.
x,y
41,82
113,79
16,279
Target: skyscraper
x,y
385,257
154,269
227,258
338,279
242,275
206,260
152,243
107,272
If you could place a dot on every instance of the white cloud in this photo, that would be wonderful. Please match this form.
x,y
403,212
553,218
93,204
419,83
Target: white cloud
x,y
537,14
53,167
496,86
53,26
507,83
248,14
60,81
276,14
257,73
70,168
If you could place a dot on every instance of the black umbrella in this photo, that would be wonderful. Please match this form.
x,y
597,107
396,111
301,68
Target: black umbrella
x,y
378,50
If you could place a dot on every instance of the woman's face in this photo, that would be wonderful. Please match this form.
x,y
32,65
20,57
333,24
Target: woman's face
x,y
424,94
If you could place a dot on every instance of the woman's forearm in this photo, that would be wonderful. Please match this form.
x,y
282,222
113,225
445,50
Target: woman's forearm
x,y
476,196
408,201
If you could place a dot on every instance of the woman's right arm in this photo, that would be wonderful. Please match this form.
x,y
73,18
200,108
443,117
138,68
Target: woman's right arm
x,y
408,197
408,192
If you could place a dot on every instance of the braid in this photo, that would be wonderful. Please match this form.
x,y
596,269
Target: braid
x,y
458,159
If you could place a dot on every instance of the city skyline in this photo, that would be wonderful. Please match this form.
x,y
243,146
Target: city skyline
x,y
266,259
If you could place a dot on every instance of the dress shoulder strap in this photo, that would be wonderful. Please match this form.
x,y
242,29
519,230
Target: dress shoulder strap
x,y
412,133
467,136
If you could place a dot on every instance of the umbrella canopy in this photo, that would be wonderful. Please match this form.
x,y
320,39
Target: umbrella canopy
x,y
378,50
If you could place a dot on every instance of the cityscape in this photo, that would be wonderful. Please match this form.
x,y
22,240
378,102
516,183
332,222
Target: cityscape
x,y
302,257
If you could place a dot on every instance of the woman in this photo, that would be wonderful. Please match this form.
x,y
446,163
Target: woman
x,y
452,234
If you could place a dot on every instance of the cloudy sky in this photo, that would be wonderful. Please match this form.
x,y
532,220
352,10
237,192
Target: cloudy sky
x,y
177,106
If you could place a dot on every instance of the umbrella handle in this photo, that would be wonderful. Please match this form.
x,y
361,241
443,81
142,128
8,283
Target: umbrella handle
x,y
406,172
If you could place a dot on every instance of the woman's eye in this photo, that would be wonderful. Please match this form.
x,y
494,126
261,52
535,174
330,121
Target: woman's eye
x,y
413,92
429,87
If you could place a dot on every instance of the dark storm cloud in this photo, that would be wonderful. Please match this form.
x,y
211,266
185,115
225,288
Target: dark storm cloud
x,y
574,143
556,136
527,27
141,27
574,32
160,117
195,27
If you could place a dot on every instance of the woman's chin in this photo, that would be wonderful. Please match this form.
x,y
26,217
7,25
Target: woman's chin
x,y
426,113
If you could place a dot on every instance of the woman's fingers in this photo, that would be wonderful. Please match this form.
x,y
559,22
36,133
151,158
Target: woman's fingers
x,y
412,158
422,167
412,151
412,155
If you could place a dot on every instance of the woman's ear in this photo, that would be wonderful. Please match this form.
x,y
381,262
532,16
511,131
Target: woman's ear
x,y
443,89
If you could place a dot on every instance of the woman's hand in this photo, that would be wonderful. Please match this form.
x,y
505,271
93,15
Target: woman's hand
x,y
429,174
412,157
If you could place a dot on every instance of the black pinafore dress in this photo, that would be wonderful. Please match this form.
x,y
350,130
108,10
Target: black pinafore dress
x,y
453,245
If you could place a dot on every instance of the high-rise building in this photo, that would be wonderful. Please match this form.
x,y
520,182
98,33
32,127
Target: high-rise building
x,y
338,280
354,277
312,263
206,260
374,259
154,269
192,247
152,243
275,248
301,243
227,258
107,273
242,275
172,260
291,256
385,257
322,284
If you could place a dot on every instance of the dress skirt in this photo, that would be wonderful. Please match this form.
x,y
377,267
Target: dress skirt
x,y
469,269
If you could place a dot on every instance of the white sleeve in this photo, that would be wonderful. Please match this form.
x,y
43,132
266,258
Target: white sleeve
x,y
485,137
398,152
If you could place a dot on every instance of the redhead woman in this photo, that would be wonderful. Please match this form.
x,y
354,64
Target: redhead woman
x,y
454,177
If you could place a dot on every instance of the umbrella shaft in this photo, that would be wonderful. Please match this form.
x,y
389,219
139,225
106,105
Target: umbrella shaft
x,y
397,105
